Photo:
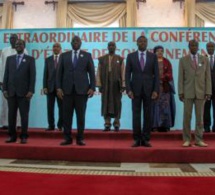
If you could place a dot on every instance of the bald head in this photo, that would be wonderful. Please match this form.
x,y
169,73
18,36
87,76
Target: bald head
x,y
76,43
56,48
111,47
193,46
210,47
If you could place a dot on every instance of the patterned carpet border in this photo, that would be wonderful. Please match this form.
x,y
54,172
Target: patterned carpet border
x,y
102,172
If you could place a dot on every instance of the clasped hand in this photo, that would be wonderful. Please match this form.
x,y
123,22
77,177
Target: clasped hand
x,y
29,95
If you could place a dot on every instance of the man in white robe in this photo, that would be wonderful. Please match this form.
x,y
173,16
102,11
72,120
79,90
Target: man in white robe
x,y
8,51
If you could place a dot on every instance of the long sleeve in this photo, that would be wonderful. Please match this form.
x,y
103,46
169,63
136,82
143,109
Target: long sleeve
x,y
91,71
180,78
167,72
2,65
45,74
6,77
32,76
1,70
208,85
98,76
59,74
123,74
128,73
156,75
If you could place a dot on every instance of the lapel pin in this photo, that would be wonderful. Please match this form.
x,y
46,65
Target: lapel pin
x,y
24,60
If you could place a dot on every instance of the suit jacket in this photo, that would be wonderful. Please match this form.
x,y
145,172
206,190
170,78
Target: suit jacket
x,y
22,80
213,77
194,83
49,77
82,77
138,80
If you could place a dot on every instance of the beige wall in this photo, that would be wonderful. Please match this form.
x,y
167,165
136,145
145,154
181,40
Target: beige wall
x,y
160,13
35,14
153,13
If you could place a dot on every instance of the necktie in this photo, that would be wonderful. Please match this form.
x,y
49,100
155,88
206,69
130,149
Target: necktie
x,y
75,59
55,61
194,62
142,61
211,62
17,61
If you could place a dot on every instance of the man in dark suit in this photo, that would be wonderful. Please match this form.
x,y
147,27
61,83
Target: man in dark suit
x,y
142,86
49,88
207,109
18,87
75,83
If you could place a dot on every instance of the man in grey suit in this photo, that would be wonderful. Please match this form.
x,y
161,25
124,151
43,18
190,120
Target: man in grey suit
x,y
18,89
142,86
194,87
49,88
75,84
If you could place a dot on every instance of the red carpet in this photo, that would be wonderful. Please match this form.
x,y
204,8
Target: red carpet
x,y
108,147
13,183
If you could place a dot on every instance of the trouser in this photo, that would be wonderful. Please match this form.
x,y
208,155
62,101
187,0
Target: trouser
x,y
51,97
71,103
23,104
139,102
116,122
207,113
199,108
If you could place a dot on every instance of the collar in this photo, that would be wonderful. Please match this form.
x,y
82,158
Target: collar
x,y
78,51
56,55
21,55
208,55
139,52
197,55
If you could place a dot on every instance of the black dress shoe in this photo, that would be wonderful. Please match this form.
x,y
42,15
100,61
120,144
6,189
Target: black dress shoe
x,y
116,129
146,144
154,129
23,141
4,127
66,142
80,143
163,129
50,129
10,140
107,129
207,129
60,128
136,144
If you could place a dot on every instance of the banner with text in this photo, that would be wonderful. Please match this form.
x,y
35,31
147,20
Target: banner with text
x,y
39,44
